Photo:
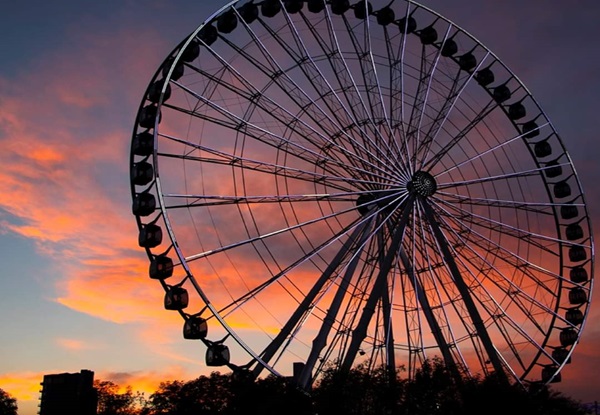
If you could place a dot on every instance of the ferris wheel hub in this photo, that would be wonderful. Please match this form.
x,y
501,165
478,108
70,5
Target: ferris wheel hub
x,y
422,184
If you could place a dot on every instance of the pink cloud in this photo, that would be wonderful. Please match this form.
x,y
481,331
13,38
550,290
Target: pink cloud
x,y
74,345
63,138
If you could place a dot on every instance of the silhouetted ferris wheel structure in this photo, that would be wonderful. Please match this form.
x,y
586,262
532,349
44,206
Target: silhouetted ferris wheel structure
x,y
334,184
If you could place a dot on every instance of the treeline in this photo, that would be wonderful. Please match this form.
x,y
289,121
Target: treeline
x,y
361,392
434,391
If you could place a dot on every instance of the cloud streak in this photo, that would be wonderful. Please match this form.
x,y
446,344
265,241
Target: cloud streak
x,y
64,183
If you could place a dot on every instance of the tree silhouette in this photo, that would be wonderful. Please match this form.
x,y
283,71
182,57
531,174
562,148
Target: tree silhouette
x,y
272,395
111,402
549,402
434,390
363,390
206,395
8,404
360,391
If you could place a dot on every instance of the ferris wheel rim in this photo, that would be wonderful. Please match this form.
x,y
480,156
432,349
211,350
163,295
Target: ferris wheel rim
x,y
164,209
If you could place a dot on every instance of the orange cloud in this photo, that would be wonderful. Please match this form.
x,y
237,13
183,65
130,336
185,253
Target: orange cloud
x,y
146,381
74,345
64,181
23,385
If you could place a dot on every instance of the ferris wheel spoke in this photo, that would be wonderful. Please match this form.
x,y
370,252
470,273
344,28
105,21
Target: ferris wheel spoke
x,y
308,302
338,132
396,104
484,222
446,295
398,100
517,296
473,123
423,271
281,114
418,104
265,136
277,141
507,256
203,200
454,94
424,90
411,302
282,170
499,316
360,330
354,298
422,297
370,80
327,324
325,91
481,154
508,327
423,300
501,177
382,344
254,292
541,208
266,236
336,346
382,338
516,292
536,239
431,266
462,288
350,89
333,98
511,343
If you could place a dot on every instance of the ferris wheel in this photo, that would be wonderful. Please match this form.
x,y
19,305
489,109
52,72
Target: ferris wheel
x,y
322,183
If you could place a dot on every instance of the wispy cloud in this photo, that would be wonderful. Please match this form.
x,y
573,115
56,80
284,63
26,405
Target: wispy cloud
x,y
74,345
65,138
22,385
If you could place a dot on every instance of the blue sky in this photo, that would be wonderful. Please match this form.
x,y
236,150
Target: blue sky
x,y
73,293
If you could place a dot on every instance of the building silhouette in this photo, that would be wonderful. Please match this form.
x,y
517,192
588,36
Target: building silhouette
x,y
69,394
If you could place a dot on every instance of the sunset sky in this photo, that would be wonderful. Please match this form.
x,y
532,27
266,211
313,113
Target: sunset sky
x,y
74,291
